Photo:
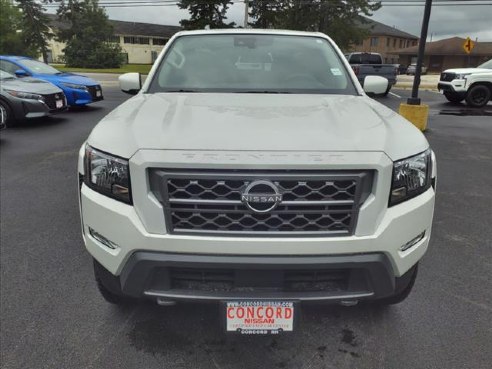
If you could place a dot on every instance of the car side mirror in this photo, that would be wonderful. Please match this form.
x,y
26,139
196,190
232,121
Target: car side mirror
x,y
21,73
130,83
375,85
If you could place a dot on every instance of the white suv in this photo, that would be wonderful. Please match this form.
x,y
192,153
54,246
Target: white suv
x,y
471,84
252,169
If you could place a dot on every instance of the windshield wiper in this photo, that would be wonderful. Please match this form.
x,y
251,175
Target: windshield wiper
x,y
263,92
180,90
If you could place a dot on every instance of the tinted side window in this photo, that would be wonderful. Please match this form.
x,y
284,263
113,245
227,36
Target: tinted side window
x,y
8,66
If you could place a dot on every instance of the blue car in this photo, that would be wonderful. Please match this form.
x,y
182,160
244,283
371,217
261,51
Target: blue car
x,y
78,89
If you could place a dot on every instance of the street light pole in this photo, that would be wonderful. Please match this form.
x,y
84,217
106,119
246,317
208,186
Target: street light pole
x,y
414,100
246,15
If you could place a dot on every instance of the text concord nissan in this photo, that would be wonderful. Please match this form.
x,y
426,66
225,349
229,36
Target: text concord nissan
x,y
251,169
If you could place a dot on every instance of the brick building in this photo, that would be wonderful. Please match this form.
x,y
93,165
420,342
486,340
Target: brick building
x,y
384,40
448,53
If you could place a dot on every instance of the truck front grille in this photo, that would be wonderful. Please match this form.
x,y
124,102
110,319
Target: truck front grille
x,y
448,77
211,202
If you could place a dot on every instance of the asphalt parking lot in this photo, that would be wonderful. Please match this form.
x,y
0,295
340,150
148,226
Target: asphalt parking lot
x,y
53,317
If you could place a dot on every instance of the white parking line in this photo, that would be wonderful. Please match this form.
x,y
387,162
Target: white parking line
x,y
398,96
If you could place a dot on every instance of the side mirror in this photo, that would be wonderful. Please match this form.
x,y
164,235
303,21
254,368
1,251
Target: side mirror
x,y
130,83
21,73
375,85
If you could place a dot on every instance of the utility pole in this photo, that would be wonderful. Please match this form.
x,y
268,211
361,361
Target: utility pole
x,y
414,100
246,13
413,110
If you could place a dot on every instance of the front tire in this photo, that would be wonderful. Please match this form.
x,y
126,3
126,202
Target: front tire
x,y
403,287
453,98
478,96
6,114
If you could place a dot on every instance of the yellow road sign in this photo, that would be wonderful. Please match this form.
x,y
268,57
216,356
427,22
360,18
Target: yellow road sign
x,y
468,45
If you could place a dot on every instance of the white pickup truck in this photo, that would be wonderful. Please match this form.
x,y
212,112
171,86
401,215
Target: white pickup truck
x,y
471,84
251,169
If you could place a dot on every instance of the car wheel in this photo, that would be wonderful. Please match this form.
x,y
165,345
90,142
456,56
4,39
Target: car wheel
x,y
109,287
454,98
6,115
403,287
478,96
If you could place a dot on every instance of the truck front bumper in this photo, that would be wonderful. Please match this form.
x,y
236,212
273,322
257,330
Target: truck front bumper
x,y
185,267
216,278
456,87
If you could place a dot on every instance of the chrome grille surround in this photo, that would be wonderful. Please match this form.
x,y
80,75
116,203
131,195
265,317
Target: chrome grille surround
x,y
208,202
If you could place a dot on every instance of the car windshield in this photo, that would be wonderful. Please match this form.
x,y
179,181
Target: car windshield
x,y
5,75
252,63
486,65
38,67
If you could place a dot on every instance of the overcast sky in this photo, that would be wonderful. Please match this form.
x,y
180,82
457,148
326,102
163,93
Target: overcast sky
x,y
446,21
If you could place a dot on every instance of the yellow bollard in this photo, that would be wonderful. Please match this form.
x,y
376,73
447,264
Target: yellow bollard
x,y
417,114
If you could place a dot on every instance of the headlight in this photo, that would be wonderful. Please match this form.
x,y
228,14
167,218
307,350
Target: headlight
x,y
411,177
74,86
462,75
107,174
25,95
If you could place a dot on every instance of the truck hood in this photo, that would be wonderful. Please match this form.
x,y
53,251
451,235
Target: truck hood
x,y
467,70
255,122
28,84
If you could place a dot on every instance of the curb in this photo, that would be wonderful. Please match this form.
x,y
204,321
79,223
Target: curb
x,y
423,86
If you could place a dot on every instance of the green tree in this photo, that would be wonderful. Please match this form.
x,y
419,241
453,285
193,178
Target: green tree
x,y
211,13
11,38
339,19
87,36
35,27
266,14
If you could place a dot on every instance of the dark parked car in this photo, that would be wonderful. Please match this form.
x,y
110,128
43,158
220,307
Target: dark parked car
x,y
24,98
79,90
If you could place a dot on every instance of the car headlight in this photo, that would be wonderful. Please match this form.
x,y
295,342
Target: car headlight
x,y
25,95
74,86
411,177
462,75
107,174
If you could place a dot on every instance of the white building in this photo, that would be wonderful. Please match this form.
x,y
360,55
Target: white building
x,y
141,42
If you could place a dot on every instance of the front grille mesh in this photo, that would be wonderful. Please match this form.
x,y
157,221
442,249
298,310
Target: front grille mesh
x,y
93,90
447,77
51,99
292,190
209,202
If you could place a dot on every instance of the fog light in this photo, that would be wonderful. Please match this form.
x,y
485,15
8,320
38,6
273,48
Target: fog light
x,y
412,242
99,237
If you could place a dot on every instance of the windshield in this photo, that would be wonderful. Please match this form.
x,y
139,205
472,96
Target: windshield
x,y
38,67
252,63
486,65
5,75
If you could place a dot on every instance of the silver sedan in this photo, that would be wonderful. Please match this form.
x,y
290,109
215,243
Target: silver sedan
x,y
25,98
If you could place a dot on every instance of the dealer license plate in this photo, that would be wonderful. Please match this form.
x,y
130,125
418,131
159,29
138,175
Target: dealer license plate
x,y
259,317
59,104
